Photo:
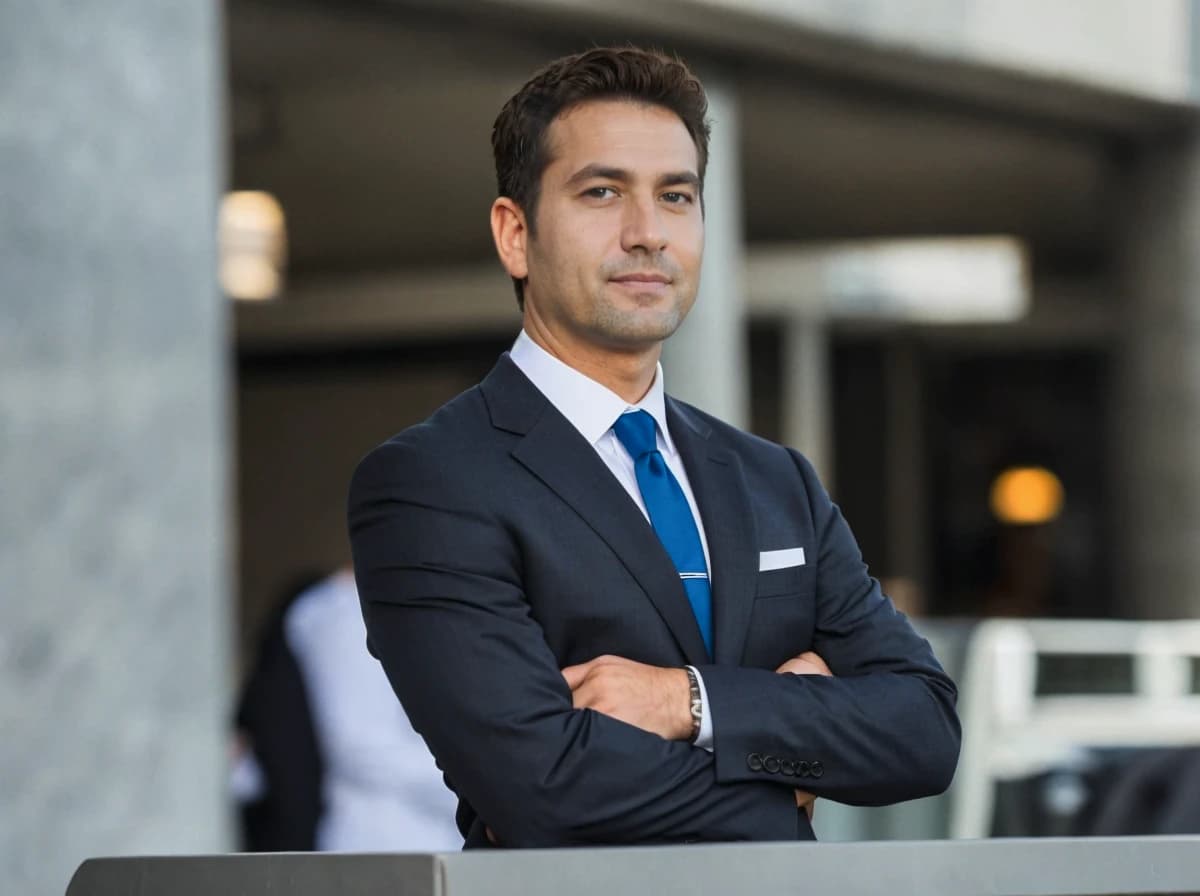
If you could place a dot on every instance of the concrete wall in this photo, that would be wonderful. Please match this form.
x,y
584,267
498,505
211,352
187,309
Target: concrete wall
x,y
113,493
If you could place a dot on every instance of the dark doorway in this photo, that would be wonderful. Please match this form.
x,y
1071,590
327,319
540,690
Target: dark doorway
x,y
983,415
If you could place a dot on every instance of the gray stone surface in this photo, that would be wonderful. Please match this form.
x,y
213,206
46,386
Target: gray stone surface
x,y
113,493
1005,867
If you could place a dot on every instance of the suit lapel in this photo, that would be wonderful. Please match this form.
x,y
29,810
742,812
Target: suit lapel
x,y
554,451
717,482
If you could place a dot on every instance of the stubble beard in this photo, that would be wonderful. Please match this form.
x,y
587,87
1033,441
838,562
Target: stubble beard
x,y
636,328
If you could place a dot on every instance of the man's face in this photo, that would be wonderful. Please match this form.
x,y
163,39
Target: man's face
x,y
615,264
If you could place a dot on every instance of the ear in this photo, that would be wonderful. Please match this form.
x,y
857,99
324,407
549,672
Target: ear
x,y
511,235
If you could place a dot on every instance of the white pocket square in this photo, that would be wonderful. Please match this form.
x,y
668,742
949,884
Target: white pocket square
x,y
769,560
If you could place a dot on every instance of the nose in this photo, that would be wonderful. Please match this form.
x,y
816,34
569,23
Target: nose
x,y
642,227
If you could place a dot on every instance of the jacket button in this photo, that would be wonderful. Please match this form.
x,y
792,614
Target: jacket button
x,y
754,762
802,769
771,764
816,769
787,767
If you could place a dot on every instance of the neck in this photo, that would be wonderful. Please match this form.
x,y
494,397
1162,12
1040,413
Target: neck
x,y
627,372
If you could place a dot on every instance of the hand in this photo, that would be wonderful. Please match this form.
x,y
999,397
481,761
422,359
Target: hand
x,y
807,802
807,663
649,697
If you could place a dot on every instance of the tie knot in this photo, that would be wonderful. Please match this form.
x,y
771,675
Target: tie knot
x,y
635,431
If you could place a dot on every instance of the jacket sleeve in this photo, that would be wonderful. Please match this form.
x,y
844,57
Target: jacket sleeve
x,y
441,586
881,730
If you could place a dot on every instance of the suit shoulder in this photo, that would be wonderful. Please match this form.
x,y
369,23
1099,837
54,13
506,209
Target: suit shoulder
x,y
424,448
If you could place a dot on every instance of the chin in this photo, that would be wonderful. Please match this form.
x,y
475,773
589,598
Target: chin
x,y
639,329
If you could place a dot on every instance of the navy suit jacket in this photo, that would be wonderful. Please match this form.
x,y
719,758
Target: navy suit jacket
x,y
492,547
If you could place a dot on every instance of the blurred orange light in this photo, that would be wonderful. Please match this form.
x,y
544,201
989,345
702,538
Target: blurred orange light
x,y
1026,496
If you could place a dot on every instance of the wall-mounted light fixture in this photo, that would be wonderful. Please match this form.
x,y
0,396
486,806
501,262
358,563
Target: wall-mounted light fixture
x,y
252,238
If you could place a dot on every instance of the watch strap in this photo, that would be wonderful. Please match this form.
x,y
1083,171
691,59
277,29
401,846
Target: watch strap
x,y
696,702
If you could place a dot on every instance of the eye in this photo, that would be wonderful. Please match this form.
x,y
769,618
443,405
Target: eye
x,y
677,198
600,193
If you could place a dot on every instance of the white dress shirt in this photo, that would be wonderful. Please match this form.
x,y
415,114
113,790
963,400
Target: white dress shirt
x,y
593,409
381,788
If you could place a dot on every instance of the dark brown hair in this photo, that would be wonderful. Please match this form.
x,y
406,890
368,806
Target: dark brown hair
x,y
519,134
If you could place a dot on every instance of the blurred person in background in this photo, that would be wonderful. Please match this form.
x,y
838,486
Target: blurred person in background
x,y
534,559
326,758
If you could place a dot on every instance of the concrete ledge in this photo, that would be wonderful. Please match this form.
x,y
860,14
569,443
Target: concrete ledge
x,y
1049,867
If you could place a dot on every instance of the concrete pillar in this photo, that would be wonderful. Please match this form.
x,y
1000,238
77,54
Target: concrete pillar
x,y
705,362
114,510
1156,421
807,393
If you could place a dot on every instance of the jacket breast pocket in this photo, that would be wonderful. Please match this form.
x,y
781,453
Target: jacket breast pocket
x,y
781,622
789,580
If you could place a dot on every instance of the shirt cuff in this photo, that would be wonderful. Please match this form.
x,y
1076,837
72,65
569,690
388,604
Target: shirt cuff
x,y
704,739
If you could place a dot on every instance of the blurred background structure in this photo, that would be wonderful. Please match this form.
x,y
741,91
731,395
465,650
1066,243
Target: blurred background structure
x,y
951,256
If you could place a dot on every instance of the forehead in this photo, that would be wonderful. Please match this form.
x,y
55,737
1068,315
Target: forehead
x,y
621,133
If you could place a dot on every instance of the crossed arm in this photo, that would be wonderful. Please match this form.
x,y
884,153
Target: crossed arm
x,y
656,699
442,587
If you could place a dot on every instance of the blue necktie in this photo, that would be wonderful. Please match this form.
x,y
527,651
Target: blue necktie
x,y
670,514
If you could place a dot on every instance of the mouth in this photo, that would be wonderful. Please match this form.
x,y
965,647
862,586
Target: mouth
x,y
650,279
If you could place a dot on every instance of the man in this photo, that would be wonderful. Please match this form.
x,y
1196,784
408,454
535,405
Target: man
x,y
341,767
584,592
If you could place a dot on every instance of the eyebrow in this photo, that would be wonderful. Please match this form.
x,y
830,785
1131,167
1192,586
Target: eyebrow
x,y
604,172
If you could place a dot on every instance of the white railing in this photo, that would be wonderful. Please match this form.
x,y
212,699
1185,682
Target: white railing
x,y
1010,730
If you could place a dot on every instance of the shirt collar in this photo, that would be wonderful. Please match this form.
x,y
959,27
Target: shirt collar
x,y
590,407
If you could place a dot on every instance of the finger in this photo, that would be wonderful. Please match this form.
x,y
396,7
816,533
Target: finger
x,y
586,696
576,674
798,666
815,659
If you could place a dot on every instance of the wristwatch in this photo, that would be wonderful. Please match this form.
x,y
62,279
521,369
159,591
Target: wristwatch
x,y
697,704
